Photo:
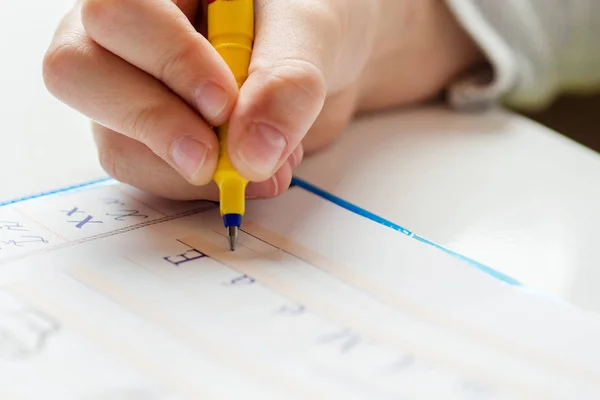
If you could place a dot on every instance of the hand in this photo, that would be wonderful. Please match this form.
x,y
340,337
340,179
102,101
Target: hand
x,y
154,86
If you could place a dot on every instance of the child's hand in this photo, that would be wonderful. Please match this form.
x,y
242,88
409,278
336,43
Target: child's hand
x,y
154,86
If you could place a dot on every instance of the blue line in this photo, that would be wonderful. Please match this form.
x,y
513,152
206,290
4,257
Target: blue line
x,y
56,191
349,206
375,218
476,264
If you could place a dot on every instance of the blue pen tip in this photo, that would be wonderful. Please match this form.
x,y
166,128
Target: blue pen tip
x,y
232,223
232,220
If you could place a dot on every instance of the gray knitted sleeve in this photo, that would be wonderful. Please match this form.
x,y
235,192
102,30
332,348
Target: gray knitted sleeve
x,y
536,49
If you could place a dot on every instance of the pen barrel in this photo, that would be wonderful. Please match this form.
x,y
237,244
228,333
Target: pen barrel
x,y
231,32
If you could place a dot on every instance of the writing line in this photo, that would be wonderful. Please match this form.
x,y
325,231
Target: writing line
x,y
389,297
194,337
114,232
246,264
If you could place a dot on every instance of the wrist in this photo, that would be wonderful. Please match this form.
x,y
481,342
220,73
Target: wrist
x,y
419,49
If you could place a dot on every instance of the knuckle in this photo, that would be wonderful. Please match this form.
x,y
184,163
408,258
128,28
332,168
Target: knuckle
x,y
324,15
70,51
141,121
176,60
327,18
144,125
58,64
303,75
97,13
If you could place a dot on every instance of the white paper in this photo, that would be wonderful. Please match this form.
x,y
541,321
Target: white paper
x,y
109,294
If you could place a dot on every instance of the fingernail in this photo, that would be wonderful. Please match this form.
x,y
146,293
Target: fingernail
x,y
189,155
211,100
261,149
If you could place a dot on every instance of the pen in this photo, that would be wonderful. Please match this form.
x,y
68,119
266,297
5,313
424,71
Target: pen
x,y
231,32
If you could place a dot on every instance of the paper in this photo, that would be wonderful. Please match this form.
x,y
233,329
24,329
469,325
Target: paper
x,y
106,293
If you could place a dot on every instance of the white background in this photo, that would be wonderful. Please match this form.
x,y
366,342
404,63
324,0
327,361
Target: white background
x,y
44,143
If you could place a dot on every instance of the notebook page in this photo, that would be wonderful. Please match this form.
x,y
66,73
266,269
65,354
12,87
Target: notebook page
x,y
106,293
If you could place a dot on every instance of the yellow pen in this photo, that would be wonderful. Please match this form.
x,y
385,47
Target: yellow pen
x,y
231,32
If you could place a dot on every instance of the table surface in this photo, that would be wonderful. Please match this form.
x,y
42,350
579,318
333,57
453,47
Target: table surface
x,y
495,187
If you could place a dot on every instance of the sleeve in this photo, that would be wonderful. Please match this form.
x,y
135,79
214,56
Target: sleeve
x,y
537,49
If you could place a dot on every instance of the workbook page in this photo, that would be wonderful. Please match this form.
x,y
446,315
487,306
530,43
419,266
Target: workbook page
x,y
106,293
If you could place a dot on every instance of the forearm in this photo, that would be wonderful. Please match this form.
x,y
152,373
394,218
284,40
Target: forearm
x,y
537,49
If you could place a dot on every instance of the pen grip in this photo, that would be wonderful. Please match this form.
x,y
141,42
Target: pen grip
x,y
232,185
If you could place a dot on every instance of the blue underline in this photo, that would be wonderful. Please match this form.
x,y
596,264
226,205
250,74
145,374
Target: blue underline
x,y
56,191
385,222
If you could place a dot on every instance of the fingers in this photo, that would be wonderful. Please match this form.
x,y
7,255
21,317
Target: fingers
x,y
157,37
296,62
139,68
283,94
131,162
121,97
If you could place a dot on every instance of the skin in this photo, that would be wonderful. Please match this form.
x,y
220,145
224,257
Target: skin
x,y
153,86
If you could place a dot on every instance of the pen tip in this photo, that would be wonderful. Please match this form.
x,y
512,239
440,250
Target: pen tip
x,y
233,236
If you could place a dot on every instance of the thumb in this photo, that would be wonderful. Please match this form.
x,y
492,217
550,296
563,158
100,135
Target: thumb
x,y
297,46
